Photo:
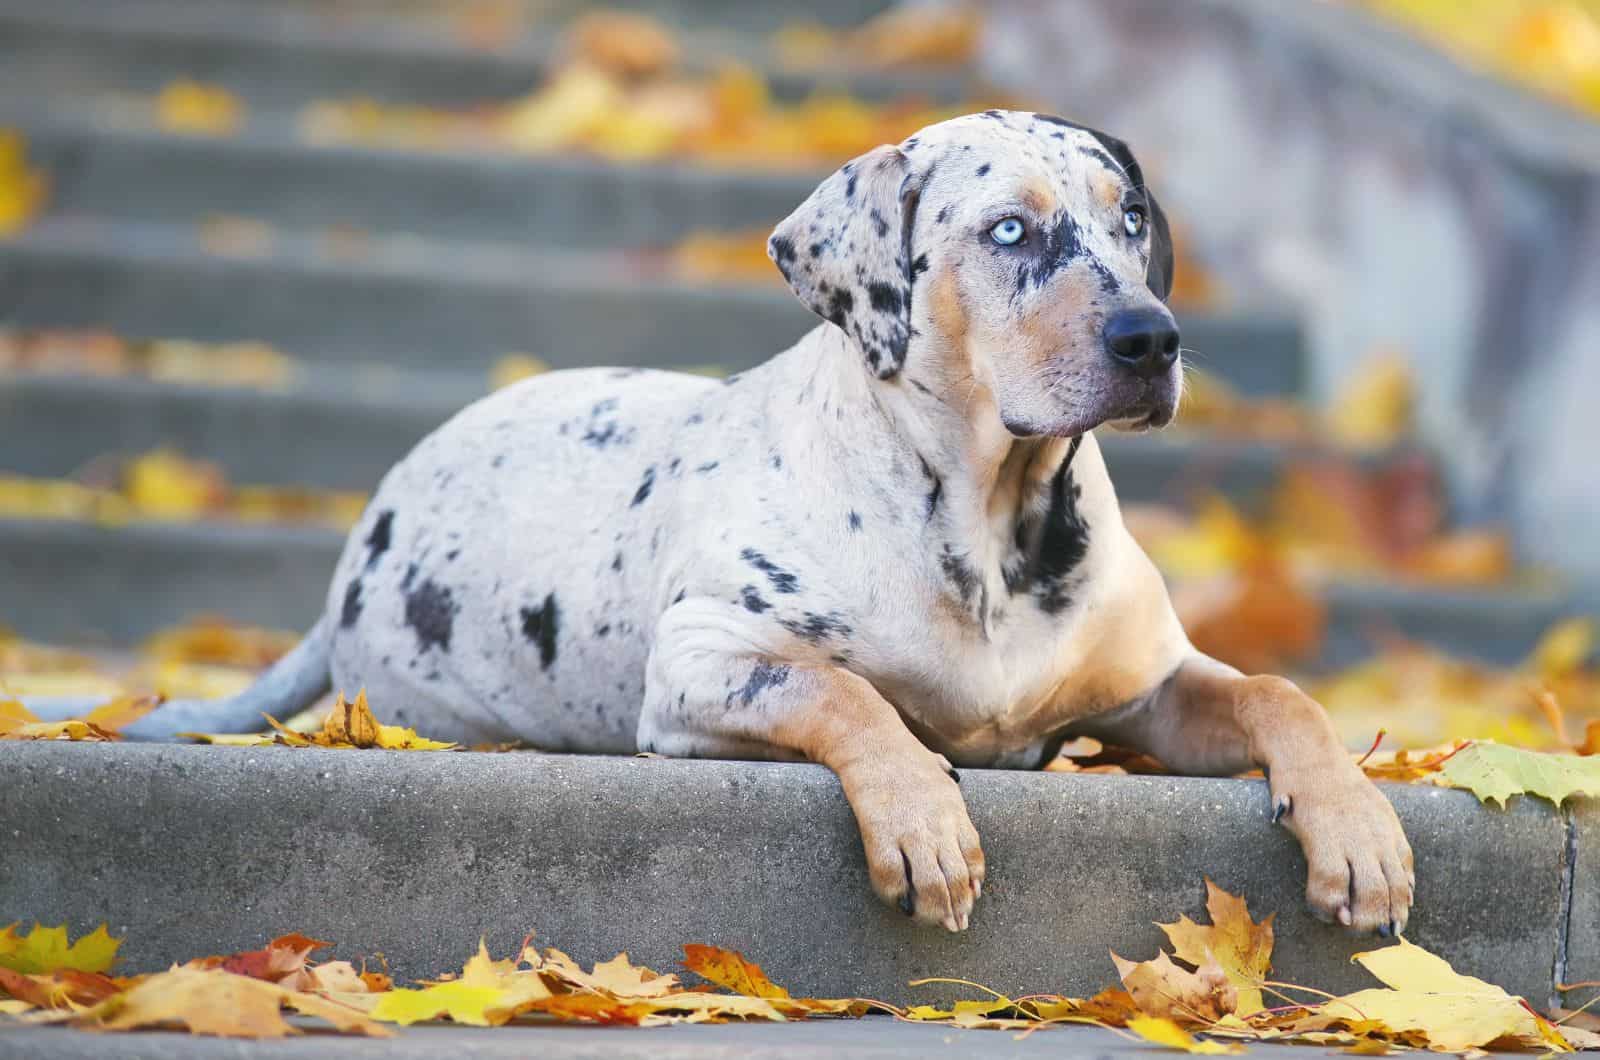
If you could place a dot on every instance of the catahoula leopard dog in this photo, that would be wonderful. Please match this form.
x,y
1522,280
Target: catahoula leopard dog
x,y
892,549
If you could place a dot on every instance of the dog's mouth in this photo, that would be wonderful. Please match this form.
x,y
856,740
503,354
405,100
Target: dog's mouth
x,y
1151,409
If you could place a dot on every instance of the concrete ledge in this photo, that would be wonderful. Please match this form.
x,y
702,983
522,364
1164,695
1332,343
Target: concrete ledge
x,y
191,850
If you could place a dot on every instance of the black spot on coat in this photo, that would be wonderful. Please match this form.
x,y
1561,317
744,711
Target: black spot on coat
x,y
763,677
540,625
351,611
783,581
431,614
752,600
378,538
643,492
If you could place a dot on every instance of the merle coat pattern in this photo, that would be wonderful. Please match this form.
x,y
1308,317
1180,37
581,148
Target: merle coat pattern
x,y
892,548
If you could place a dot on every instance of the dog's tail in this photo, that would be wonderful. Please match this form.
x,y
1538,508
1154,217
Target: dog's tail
x,y
289,686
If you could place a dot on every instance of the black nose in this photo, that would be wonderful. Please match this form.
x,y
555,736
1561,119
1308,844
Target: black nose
x,y
1144,340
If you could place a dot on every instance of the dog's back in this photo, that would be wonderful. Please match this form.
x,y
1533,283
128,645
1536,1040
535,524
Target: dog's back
x,y
522,521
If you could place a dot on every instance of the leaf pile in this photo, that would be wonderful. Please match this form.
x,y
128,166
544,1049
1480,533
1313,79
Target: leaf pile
x,y
1216,982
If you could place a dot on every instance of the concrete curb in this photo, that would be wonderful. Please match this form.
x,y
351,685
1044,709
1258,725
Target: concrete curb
x,y
191,850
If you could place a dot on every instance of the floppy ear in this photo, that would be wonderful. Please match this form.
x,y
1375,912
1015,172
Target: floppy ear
x,y
1158,274
846,252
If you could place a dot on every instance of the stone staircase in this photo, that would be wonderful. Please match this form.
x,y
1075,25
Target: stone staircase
x,y
462,257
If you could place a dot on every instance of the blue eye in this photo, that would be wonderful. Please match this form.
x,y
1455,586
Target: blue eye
x,y
1008,232
1133,221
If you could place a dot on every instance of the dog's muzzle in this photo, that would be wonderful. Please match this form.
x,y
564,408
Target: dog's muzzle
x,y
1143,343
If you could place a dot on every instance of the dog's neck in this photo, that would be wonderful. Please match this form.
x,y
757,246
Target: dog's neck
x,y
984,487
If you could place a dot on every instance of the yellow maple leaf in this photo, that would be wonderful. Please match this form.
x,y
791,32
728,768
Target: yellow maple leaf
x,y
1426,996
350,724
44,949
459,1001
1239,945
1167,1033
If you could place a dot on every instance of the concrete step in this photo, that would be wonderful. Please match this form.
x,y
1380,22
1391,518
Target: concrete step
x,y
341,427
281,56
101,166
427,305
183,850
80,583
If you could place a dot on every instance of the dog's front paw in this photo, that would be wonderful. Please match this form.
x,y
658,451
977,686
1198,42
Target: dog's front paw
x,y
1359,867
922,851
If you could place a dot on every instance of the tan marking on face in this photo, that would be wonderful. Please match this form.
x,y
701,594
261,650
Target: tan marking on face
x,y
949,315
1038,196
1107,189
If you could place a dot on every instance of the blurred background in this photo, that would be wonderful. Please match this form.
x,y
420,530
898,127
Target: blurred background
x,y
252,250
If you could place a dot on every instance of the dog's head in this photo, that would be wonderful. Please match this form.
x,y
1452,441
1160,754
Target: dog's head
x,y
1007,250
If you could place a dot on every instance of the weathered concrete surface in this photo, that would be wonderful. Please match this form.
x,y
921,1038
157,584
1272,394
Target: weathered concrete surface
x,y
190,850
1582,958
875,1038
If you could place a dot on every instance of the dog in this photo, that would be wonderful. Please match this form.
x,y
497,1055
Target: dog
x,y
892,549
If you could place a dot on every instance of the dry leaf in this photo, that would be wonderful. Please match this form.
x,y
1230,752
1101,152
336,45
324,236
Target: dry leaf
x,y
99,725
1167,1033
204,110
1163,989
44,950
22,190
1239,945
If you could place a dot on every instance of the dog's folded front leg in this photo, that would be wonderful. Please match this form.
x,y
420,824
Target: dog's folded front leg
x,y
716,686
1210,719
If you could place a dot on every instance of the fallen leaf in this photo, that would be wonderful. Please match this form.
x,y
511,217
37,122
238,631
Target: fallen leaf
x,y
1426,996
22,190
1163,989
99,725
212,1001
1239,945
349,725
1494,773
198,109
1374,408
44,949
1167,1033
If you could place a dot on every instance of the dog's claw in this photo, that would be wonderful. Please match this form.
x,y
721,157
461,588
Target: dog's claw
x,y
908,904
1344,915
908,901
955,776
1281,808
1386,930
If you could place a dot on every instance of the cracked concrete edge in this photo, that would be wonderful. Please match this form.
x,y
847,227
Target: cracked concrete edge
x,y
191,850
